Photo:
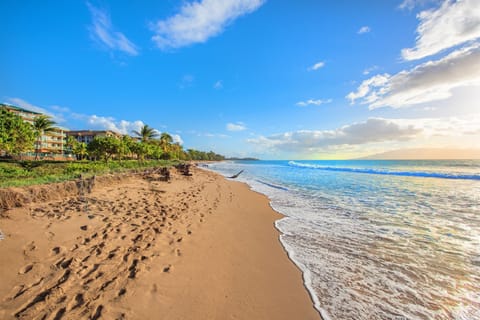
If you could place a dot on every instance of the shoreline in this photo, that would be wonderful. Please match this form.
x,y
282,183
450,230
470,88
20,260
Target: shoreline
x,y
290,253
199,247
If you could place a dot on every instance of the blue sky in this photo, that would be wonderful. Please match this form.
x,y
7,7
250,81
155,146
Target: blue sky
x,y
272,79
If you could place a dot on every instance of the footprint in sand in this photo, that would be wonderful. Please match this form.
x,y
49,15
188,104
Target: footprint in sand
x,y
26,269
56,250
50,235
30,247
77,301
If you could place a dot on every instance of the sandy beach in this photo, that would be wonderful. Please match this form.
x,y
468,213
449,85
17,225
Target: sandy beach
x,y
196,247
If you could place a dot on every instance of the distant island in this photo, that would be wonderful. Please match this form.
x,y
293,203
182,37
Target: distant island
x,y
426,154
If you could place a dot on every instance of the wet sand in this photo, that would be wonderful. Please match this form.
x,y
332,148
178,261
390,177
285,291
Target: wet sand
x,y
196,247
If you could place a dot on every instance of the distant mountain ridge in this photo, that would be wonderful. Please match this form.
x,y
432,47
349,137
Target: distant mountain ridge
x,y
426,154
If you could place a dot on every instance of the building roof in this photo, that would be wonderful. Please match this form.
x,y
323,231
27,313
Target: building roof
x,y
10,106
92,132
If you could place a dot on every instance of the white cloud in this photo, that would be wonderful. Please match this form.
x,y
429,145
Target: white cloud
x,y
364,29
109,123
372,132
198,21
177,139
450,25
317,66
103,32
317,102
239,126
365,88
429,81
218,85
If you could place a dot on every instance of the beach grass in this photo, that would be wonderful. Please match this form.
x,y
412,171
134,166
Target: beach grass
x,y
26,173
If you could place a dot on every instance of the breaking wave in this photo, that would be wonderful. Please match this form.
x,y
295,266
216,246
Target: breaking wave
x,y
423,174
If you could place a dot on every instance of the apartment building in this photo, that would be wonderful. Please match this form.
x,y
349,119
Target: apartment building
x,y
87,136
26,115
50,142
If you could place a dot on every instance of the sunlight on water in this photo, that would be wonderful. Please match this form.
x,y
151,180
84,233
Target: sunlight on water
x,y
380,246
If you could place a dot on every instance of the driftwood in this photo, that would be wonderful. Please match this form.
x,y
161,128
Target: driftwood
x,y
235,175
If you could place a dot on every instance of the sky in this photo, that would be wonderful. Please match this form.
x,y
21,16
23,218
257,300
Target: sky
x,y
273,79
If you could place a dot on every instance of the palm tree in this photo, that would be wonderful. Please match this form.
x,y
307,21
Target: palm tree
x,y
146,133
165,141
81,150
41,125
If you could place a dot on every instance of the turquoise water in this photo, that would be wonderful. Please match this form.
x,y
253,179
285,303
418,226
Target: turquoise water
x,y
378,239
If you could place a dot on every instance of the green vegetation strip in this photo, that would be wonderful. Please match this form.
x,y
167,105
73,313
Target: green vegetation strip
x,y
27,173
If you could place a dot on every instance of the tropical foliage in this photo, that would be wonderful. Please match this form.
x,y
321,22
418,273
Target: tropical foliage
x,y
146,133
79,149
41,124
38,172
16,136
107,148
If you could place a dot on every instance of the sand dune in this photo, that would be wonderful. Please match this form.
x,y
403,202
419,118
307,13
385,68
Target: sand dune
x,y
138,248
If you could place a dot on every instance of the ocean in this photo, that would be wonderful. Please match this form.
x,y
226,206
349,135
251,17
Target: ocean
x,y
378,239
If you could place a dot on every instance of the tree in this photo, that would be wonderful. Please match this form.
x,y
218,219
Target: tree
x,y
16,135
71,144
165,141
81,150
104,147
146,133
128,146
41,124
193,154
176,151
141,149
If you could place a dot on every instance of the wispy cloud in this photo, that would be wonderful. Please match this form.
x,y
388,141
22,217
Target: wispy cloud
x,y
218,85
209,134
429,81
452,24
239,126
367,71
60,109
317,102
186,81
316,66
411,4
200,20
56,114
26,105
102,31
364,29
